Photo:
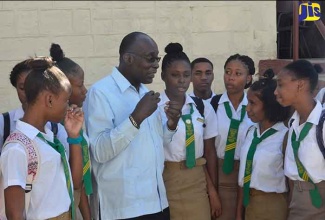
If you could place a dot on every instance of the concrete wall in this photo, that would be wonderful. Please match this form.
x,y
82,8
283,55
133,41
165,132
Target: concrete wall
x,y
90,33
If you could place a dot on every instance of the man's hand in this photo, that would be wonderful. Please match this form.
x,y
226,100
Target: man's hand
x,y
146,106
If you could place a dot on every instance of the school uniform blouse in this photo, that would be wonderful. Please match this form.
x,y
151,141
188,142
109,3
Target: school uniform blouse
x,y
49,196
127,162
309,152
176,150
267,172
18,113
224,124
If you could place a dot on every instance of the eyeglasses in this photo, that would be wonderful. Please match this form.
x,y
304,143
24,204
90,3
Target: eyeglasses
x,y
149,59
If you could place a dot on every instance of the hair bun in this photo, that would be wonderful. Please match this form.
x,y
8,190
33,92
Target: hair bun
x,y
56,52
318,68
268,74
40,63
173,48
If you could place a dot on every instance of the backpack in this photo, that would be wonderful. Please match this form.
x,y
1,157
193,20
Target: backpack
x,y
200,106
33,167
319,132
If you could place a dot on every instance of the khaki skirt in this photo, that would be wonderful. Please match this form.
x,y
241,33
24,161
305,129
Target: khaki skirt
x,y
186,191
300,207
227,190
266,206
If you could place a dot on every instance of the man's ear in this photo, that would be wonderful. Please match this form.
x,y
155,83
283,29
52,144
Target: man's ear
x,y
127,58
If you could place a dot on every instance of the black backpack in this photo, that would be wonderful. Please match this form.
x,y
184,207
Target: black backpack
x,y
6,126
200,106
319,133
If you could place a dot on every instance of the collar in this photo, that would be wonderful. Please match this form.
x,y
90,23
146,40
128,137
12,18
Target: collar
x,y
224,98
124,84
31,132
277,126
312,118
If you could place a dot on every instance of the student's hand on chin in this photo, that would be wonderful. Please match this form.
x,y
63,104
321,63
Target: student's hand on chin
x,y
73,121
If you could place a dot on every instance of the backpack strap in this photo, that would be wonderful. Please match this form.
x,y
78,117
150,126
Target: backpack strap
x,y
6,125
33,162
215,102
199,105
54,128
319,133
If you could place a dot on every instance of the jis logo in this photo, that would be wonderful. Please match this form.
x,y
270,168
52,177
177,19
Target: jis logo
x,y
309,11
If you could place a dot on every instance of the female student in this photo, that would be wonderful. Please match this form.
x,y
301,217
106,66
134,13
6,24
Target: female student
x,y
304,163
47,93
75,74
9,119
261,176
190,161
232,126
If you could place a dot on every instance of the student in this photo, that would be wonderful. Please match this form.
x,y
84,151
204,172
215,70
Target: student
x,y
232,126
190,160
47,93
75,74
126,135
17,80
261,176
304,163
202,78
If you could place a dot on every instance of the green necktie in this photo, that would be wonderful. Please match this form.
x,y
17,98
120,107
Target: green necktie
x,y
228,164
190,144
60,149
86,165
249,161
316,198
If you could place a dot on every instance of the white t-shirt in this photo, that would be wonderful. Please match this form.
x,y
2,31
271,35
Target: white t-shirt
x,y
309,153
267,172
176,150
320,96
49,196
224,124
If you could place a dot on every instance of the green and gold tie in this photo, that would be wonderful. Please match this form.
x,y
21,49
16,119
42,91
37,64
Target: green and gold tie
x,y
249,161
60,149
228,164
315,196
86,165
190,144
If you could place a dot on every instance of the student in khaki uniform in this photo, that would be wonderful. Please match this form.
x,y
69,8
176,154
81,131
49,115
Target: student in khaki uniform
x,y
261,176
190,159
47,93
304,163
232,126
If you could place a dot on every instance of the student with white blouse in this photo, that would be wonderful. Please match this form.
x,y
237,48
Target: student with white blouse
x,y
304,163
261,177
190,159
17,80
232,126
47,93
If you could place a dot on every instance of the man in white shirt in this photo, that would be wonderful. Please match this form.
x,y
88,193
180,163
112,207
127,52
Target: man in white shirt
x,y
126,135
